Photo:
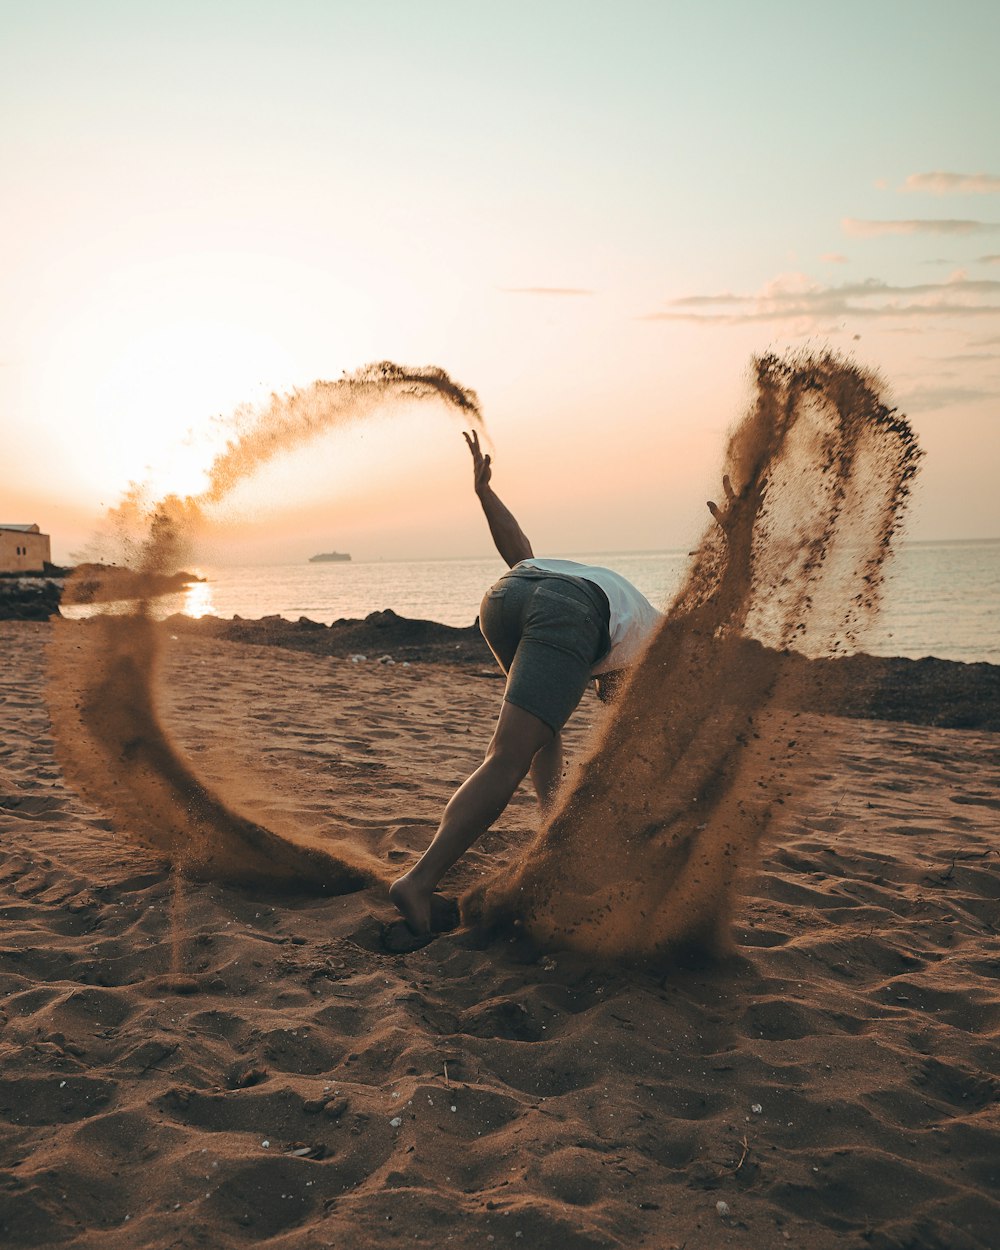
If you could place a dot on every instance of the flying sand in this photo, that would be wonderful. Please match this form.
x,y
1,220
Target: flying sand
x,y
643,848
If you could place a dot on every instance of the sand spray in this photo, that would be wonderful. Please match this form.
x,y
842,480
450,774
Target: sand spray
x,y
668,804
102,672
669,801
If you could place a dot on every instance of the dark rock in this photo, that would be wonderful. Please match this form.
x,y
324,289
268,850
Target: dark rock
x,y
925,692
29,599
380,634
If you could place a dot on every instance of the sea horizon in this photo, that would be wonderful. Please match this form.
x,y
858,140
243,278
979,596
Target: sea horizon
x,y
932,606
902,545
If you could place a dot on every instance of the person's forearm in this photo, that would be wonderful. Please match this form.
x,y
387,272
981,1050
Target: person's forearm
x,y
507,534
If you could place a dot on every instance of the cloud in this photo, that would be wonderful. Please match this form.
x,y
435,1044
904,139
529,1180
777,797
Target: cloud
x,y
989,260
545,290
861,228
796,297
942,184
834,258
933,398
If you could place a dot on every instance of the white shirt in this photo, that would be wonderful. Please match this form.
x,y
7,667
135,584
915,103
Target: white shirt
x,y
633,617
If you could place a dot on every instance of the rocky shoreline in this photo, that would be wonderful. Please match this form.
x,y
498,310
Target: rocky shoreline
x,y
24,598
928,691
36,597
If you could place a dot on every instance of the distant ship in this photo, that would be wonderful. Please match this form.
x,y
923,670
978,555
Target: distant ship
x,y
329,557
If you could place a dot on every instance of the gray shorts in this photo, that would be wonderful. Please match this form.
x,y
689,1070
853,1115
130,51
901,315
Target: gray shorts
x,y
547,630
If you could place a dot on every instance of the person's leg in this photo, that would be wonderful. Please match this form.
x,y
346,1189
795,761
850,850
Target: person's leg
x,y
546,771
546,634
475,805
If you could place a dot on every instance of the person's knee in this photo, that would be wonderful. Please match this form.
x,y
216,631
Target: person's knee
x,y
518,736
510,755
513,752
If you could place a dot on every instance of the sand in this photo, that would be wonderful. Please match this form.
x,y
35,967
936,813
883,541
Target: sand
x,y
191,1064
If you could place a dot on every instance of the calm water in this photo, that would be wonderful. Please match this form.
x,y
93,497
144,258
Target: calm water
x,y
942,599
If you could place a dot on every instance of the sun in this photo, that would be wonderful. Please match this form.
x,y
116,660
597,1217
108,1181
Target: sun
x,y
152,403
175,388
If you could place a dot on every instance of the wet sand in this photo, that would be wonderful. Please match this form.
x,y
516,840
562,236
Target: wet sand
x,y
191,1064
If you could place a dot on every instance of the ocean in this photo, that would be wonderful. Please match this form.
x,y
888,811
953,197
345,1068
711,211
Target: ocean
x,y
941,599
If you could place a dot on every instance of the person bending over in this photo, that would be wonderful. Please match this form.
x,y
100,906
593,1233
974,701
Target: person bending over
x,y
553,625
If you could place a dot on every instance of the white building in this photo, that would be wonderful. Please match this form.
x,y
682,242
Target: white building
x,y
23,549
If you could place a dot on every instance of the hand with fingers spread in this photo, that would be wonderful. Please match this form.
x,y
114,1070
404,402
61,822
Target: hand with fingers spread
x,y
725,517
743,505
480,463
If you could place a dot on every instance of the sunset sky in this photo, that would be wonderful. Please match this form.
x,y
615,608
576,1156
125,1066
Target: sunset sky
x,y
593,214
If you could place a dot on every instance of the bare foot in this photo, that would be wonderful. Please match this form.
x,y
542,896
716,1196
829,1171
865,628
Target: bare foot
x,y
413,904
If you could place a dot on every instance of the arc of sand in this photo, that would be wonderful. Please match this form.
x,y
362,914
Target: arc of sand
x,y
111,740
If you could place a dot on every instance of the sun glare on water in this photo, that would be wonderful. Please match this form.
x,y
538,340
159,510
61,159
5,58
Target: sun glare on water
x,y
198,600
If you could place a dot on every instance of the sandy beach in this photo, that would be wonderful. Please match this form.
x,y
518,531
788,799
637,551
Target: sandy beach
x,y
190,1064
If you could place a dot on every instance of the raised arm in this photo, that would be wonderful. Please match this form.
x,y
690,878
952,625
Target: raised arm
x,y
507,534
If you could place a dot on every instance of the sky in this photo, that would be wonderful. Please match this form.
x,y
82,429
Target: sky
x,y
593,214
